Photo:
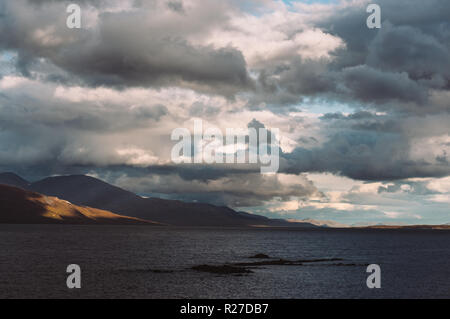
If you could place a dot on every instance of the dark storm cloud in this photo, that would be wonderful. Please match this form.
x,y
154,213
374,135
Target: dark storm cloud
x,y
370,147
362,120
176,6
307,78
371,85
124,50
411,32
362,158
166,62
411,50
375,147
287,83
236,189
25,111
396,65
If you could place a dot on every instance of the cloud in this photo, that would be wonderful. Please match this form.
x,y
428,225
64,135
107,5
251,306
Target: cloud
x,y
371,85
440,185
133,48
235,190
366,146
366,110
346,200
278,57
411,50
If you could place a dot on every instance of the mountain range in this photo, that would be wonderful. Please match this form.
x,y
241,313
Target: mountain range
x,y
86,191
321,223
81,199
19,206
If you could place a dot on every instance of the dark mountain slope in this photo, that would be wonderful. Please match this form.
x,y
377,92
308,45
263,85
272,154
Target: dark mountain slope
x,y
83,190
18,206
13,180
92,192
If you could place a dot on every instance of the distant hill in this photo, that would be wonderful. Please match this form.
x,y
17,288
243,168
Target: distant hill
x,y
13,180
434,227
89,191
106,199
18,206
321,223
84,190
92,192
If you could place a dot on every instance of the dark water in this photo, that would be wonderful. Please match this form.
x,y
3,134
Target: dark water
x,y
116,262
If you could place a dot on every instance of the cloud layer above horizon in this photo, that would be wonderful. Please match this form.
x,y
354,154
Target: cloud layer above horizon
x,y
364,114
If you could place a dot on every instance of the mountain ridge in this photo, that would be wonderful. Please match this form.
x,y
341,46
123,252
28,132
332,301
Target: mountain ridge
x,y
92,192
19,206
321,223
12,179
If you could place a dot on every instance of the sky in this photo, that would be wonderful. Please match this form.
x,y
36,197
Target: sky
x,y
363,113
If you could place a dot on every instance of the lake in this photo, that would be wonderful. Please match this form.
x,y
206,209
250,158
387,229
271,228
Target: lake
x,y
156,262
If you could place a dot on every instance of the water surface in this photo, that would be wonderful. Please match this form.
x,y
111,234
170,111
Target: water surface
x,y
118,262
